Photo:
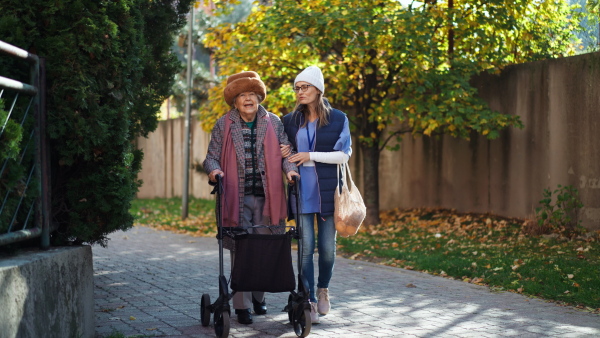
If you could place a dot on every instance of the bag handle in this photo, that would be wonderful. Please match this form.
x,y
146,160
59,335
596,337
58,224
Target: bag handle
x,y
344,167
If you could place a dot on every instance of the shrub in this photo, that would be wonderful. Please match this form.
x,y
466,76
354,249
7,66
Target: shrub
x,y
109,68
559,211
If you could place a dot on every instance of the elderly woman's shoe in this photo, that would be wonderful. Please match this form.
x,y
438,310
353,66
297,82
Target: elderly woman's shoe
x,y
260,308
244,316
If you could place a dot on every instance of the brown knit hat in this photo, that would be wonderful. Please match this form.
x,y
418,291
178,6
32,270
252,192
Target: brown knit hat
x,y
244,82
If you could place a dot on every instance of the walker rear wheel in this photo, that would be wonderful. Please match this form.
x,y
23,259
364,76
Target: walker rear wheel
x,y
291,309
303,324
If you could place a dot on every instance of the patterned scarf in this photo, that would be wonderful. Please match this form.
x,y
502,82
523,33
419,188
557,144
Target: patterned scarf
x,y
275,209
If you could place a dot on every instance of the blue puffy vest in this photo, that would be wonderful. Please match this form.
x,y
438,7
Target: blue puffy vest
x,y
325,139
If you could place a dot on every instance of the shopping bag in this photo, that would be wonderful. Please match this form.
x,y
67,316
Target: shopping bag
x,y
263,262
350,210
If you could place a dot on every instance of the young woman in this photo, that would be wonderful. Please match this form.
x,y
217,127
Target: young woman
x,y
320,137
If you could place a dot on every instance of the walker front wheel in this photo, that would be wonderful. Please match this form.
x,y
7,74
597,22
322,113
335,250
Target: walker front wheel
x,y
205,310
222,324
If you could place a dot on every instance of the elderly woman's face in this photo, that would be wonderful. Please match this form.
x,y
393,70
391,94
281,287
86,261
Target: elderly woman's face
x,y
247,104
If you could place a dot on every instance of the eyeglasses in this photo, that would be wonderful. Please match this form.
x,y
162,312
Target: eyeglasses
x,y
302,88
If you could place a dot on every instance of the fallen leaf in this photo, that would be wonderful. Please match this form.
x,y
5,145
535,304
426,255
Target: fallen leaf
x,y
131,318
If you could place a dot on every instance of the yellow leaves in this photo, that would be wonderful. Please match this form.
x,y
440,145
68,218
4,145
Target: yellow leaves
x,y
431,126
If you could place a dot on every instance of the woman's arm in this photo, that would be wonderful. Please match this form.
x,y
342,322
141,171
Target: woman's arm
x,y
212,164
331,157
283,141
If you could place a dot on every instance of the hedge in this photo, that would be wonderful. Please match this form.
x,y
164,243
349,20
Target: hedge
x,y
109,68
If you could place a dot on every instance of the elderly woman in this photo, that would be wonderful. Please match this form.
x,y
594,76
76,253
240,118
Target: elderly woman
x,y
245,150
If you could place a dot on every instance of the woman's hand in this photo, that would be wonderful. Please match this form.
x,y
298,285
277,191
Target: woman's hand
x,y
213,175
290,176
299,158
286,150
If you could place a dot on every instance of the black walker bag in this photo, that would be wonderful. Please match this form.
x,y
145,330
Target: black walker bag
x,y
263,263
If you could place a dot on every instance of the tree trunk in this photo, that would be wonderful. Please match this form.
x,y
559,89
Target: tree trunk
x,y
370,157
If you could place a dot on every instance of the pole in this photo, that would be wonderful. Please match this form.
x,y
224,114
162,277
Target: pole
x,y
188,113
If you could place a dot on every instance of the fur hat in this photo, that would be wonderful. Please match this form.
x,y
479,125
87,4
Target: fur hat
x,y
313,76
244,82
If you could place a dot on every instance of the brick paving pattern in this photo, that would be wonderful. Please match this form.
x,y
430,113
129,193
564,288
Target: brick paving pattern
x,y
148,283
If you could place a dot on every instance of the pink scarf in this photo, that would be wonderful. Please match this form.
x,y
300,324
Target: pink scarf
x,y
275,207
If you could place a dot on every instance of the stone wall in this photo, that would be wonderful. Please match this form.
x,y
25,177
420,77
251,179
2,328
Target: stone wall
x,y
47,294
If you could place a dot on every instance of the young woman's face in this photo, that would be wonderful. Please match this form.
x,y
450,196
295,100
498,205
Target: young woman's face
x,y
309,96
247,103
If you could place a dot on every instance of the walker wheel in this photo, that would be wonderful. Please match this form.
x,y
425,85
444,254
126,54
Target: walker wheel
x,y
291,309
222,324
205,310
303,324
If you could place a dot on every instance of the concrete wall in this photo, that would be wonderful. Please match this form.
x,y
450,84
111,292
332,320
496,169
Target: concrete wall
x,y
47,294
558,102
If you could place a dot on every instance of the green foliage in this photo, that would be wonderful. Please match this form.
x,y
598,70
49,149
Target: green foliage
x,y
10,137
559,210
386,64
393,69
109,68
15,166
200,86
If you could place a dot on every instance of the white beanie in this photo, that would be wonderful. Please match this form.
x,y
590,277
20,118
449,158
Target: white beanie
x,y
313,76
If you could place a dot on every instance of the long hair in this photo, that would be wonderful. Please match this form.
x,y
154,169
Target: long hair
x,y
322,109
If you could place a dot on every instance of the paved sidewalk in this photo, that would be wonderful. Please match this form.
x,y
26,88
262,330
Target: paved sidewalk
x,y
149,283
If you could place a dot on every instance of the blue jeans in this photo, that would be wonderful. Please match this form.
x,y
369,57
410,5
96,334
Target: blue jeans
x,y
326,245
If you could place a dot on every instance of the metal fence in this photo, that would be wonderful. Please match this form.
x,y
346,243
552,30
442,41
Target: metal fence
x,y
24,173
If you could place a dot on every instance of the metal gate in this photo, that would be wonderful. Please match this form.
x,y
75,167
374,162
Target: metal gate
x,y
24,173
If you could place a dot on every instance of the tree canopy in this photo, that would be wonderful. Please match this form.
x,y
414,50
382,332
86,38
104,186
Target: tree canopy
x,y
393,67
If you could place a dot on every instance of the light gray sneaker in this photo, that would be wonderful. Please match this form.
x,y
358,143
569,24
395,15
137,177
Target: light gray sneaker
x,y
323,305
314,316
